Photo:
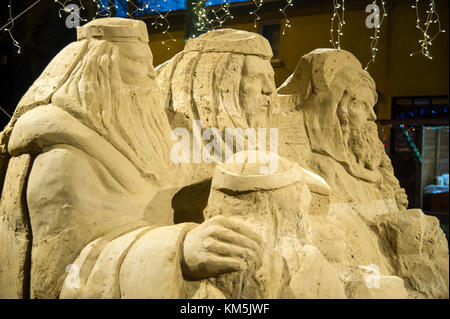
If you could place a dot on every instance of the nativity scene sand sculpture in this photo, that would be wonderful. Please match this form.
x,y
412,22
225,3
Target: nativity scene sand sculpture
x,y
327,125
223,80
93,207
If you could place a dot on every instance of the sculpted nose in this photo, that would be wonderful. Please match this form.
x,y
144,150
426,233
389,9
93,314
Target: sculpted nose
x,y
372,115
267,88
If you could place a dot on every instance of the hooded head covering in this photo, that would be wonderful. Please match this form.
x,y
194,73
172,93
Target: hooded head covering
x,y
320,81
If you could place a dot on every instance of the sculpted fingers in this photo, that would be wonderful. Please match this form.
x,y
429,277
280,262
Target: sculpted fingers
x,y
213,265
238,227
402,198
228,236
220,244
228,250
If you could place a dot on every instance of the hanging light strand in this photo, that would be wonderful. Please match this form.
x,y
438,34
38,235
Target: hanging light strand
x,y
10,24
287,23
376,34
432,17
134,10
412,146
66,8
337,23
14,41
161,22
258,4
222,14
203,23
103,10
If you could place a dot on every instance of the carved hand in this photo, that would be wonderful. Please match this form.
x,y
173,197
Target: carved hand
x,y
219,245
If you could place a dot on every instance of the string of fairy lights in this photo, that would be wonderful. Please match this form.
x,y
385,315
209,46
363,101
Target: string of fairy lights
x,y
407,133
376,32
67,9
411,145
209,19
431,17
203,23
337,23
258,4
222,14
287,23
14,41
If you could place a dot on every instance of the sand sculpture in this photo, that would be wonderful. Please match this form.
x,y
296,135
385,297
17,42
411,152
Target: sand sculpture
x,y
224,80
89,128
367,222
93,207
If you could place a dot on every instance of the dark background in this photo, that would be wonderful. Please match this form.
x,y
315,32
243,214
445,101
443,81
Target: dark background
x,y
41,35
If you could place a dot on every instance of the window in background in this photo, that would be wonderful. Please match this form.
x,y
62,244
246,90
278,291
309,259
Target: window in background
x,y
271,31
426,121
419,107
435,178
416,115
435,165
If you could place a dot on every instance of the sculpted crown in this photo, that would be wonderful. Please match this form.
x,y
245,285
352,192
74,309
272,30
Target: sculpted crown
x,y
230,40
114,29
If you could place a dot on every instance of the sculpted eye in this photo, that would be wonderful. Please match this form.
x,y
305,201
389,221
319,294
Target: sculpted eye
x,y
252,77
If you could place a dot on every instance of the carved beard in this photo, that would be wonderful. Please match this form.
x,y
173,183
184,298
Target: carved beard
x,y
259,111
363,142
132,120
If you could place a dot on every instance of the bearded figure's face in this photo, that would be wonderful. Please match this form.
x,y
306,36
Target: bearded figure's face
x,y
257,87
359,130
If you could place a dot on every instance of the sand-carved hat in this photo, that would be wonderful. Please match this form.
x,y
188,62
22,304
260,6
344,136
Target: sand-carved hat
x,y
230,40
242,173
114,29
316,75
